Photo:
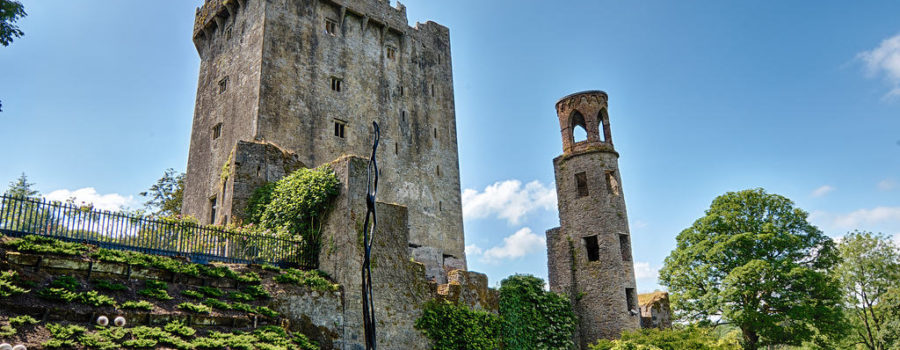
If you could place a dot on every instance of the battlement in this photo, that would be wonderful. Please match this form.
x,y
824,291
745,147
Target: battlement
x,y
213,12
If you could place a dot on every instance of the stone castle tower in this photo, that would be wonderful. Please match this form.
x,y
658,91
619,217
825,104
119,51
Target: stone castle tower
x,y
589,255
297,83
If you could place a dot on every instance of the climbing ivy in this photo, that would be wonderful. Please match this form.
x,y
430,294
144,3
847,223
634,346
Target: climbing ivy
x,y
532,317
295,205
455,327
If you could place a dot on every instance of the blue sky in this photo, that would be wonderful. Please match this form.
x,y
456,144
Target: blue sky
x,y
800,98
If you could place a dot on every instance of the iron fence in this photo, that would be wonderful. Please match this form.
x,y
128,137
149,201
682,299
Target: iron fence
x,y
114,230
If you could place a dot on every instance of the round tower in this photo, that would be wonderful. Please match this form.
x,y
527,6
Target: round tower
x,y
589,255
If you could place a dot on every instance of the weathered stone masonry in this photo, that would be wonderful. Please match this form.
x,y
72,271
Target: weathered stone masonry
x,y
308,77
589,255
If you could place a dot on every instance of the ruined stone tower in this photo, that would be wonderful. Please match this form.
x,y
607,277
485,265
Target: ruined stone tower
x,y
297,83
589,255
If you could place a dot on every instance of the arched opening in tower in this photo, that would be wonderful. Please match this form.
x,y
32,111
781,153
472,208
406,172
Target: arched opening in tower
x,y
603,124
579,130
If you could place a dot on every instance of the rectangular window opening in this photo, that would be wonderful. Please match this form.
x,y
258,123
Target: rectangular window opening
x,y
223,84
401,90
336,84
339,128
330,26
396,148
581,184
228,33
593,248
391,52
625,247
217,131
212,210
612,183
629,300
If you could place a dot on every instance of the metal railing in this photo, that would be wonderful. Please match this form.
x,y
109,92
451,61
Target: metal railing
x,y
113,230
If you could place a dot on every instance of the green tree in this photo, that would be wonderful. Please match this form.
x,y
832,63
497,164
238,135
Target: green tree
x,y
10,12
22,188
755,262
870,266
165,196
534,318
889,308
17,214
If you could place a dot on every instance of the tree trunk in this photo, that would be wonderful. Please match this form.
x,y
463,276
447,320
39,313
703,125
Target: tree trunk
x,y
751,339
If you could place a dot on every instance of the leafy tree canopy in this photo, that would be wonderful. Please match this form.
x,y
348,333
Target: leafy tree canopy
x,y
869,268
22,188
10,12
755,262
165,197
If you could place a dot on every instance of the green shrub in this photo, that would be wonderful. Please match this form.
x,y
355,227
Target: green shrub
x,y
7,331
249,277
198,308
7,285
159,294
66,282
265,311
139,343
314,279
153,284
216,304
95,299
210,291
534,318
257,203
269,267
452,326
58,294
140,305
238,306
146,260
257,292
691,337
217,271
23,319
192,293
298,201
179,328
108,285
240,296
58,331
46,245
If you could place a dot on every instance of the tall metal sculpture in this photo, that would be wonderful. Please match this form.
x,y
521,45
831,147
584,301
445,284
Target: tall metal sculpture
x,y
368,237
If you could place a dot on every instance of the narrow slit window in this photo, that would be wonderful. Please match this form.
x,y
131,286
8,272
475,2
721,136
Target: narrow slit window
x,y
403,115
330,26
435,132
223,84
612,183
438,170
336,84
432,90
401,90
217,131
339,127
581,184
625,247
228,33
629,299
212,210
440,206
593,248
396,148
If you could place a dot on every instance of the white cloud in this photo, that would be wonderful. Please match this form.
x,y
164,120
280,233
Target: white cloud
x,y
878,219
519,244
887,184
884,61
639,224
89,195
508,200
643,270
472,249
822,191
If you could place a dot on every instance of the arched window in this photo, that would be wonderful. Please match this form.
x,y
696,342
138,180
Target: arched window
x,y
602,122
579,129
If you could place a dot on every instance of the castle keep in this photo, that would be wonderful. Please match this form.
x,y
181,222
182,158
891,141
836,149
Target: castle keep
x,y
589,255
296,83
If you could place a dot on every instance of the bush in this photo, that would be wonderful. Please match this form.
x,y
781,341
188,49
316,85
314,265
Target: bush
x,y
265,311
192,293
240,296
66,282
298,201
258,202
58,294
95,299
257,292
7,285
46,245
691,337
210,291
141,305
534,318
314,279
111,286
451,326
216,304
179,328
203,309
21,320
146,260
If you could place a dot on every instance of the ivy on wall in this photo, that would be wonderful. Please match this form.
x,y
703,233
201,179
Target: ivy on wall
x,y
534,318
454,327
295,204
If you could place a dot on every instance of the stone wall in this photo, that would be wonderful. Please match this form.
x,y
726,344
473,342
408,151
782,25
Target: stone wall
x,y
282,60
655,310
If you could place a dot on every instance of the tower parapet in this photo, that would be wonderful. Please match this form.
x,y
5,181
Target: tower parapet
x,y
589,255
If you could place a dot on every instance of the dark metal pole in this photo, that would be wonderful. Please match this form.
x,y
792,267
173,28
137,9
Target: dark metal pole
x,y
368,238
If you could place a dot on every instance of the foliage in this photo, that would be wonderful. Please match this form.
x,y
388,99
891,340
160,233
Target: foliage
x,y
270,267
192,293
108,285
20,188
257,291
690,337
7,285
452,326
46,245
95,299
238,306
63,336
870,266
179,328
58,294
210,291
534,318
198,308
66,282
754,261
25,215
141,305
22,320
265,311
889,309
7,331
146,260
240,296
314,279
298,202
156,290
216,304
165,196
257,203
